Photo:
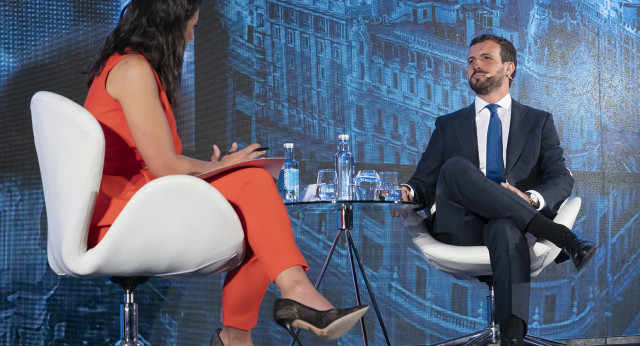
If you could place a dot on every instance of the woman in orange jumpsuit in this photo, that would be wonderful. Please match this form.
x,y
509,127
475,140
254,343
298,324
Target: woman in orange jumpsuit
x,y
133,84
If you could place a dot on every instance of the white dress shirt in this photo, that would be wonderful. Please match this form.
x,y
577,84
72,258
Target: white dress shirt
x,y
482,125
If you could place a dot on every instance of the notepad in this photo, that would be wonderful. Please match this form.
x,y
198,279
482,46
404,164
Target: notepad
x,y
271,165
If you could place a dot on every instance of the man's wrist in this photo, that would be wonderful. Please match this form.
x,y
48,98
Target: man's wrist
x,y
533,200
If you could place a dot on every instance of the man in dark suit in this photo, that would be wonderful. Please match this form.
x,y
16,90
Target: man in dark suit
x,y
495,170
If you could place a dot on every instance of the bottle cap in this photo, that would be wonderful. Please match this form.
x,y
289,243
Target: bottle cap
x,y
288,145
343,137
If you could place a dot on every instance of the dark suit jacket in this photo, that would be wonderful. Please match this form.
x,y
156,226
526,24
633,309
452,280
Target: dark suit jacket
x,y
534,159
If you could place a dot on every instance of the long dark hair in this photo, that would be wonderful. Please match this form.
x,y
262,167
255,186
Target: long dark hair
x,y
154,29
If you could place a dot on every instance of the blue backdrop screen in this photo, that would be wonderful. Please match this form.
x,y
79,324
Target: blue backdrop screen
x,y
305,71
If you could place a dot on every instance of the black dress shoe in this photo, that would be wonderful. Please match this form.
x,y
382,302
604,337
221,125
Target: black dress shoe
x,y
580,251
329,324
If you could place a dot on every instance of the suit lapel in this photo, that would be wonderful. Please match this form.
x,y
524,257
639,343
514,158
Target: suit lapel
x,y
518,134
467,134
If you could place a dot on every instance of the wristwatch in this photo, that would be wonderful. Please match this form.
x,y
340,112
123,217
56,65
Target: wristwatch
x,y
533,200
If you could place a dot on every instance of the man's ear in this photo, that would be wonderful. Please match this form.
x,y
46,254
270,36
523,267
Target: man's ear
x,y
510,68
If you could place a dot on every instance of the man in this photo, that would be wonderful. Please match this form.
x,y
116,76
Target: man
x,y
495,170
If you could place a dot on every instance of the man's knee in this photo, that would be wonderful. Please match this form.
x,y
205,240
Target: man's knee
x,y
455,169
457,164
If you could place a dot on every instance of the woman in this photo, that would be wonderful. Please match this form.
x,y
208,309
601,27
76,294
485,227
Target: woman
x,y
133,84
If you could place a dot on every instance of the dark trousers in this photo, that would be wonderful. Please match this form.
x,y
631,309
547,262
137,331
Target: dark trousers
x,y
473,210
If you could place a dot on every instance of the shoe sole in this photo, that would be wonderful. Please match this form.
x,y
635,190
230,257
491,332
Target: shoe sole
x,y
337,328
587,258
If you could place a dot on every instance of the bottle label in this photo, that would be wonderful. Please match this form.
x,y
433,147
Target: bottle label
x,y
290,184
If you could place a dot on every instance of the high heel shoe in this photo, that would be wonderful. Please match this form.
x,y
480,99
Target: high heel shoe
x,y
329,324
216,340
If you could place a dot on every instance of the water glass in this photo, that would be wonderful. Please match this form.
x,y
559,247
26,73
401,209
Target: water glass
x,y
367,183
326,184
389,187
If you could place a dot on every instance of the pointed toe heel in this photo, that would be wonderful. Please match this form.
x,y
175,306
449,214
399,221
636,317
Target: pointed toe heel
x,y
329,324
287,323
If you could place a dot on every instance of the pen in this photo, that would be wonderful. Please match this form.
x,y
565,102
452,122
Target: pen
x,y
257,149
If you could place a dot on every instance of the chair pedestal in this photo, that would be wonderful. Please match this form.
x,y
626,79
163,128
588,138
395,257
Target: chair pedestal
x,y
129,311
491,334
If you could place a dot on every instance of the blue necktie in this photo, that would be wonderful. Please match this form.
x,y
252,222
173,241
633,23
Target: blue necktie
x,y
495,167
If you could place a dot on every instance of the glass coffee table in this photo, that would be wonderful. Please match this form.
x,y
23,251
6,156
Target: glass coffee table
x,y
344,211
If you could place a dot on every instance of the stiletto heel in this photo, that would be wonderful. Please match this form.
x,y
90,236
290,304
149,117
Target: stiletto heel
x,y
329,324
286,323
215,339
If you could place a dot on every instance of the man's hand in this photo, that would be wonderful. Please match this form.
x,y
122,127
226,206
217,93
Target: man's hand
x,y
406,194
516,191
406,197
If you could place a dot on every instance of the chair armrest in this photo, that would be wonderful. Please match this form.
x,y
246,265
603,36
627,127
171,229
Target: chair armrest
x,y
173,225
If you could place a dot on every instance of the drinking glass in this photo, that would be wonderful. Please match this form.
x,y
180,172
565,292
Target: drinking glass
x,y
389,188
367,183
326,184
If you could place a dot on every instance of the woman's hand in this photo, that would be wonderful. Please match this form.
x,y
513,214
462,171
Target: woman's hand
x,y
234,155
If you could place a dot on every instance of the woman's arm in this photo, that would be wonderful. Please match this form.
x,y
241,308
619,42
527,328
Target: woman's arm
x,y
132,83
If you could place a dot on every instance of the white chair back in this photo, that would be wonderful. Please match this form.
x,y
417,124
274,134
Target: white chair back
x,y
70,146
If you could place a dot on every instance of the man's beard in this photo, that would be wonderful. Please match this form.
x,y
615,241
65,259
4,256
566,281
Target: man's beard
x,y
489,85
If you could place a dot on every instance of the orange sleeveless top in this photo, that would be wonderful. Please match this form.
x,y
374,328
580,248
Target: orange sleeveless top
x,y
124,170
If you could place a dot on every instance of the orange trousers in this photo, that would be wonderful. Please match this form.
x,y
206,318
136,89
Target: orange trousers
x,y
270,246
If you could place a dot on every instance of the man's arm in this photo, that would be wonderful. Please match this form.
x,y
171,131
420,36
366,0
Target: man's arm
x,y
557,182
424,179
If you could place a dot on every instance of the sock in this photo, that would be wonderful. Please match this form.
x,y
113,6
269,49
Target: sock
x,y
543,227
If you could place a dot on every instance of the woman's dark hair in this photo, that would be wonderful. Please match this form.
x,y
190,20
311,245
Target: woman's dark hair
x,y
154,29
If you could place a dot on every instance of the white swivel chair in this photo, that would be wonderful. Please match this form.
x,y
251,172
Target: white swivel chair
x,y
473,261
173,226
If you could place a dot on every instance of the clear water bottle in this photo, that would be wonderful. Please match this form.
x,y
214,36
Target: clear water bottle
x,y
289,180
344,165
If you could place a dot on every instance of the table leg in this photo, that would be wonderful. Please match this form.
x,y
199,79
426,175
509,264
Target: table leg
x,y
357,291
345,223
352,247
326,261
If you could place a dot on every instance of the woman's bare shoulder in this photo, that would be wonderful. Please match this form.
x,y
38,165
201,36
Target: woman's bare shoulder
x,y
131,73
134,65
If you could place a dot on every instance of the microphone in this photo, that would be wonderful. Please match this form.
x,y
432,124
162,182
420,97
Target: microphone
x,y
489,76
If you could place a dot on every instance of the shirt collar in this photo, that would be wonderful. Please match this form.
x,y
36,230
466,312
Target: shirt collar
x,y
505,103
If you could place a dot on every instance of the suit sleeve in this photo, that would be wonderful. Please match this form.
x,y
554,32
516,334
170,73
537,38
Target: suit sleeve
x,y
556,183
424,179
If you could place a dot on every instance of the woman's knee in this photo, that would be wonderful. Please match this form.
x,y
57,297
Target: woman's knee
x,y
254,175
